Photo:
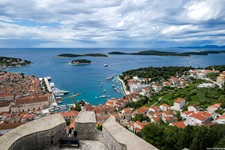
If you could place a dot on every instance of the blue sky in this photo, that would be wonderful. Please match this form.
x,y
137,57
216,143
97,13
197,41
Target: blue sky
x,y
111,23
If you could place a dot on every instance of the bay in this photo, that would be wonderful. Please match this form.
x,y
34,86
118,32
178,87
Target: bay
x,y
84,78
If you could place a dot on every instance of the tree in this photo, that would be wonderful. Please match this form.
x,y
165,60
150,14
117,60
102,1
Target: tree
x,y
77,107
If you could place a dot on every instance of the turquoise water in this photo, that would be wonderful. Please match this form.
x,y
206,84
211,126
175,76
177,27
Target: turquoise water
x,y
84,78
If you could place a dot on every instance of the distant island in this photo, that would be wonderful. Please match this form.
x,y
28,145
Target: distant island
x,y
79,55
80,62
12,62
164,53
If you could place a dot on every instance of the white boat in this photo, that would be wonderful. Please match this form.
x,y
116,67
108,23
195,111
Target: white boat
x,y
58,97
49,78
59,102
105,65
113,85
104,91
103,96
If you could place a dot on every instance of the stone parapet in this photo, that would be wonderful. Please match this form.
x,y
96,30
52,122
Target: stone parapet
x,y
85,125
116,137
43,133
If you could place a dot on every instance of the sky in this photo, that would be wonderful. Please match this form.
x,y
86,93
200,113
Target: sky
x,y
111,23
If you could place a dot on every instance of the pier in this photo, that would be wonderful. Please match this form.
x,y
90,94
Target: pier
x,y
47,84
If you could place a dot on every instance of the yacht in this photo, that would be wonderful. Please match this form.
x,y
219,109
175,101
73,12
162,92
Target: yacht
x,y
103,96
105,65
59,102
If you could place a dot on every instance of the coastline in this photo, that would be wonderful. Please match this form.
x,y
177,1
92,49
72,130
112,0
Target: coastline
x,y
124,87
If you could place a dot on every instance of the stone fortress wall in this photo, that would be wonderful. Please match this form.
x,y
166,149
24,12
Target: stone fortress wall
x,y
40,134
45,133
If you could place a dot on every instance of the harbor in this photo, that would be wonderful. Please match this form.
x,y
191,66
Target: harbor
x,y
56,101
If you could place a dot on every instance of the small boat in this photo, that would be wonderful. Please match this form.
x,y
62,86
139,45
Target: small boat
x,y
113,85
104,91
103,96
105,65
59,102
49,78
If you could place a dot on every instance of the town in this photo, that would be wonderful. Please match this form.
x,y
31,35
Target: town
x,y
25,98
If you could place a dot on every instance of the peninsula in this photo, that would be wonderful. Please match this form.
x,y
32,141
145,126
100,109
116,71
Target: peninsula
x,y
12,62
79,55
80,62
164,53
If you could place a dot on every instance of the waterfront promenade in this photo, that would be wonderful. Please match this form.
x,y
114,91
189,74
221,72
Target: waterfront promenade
x,y
124,87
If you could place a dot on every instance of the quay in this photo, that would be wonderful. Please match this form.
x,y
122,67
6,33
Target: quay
x,y
47,84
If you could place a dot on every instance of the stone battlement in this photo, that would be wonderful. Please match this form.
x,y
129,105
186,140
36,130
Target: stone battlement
x,y
46,132
43,133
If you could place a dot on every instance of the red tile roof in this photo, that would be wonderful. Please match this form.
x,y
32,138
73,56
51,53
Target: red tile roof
x,y
28,100
221,117
127,110
179,100
179,124
4,126
165,105
201,115
72,113
188,112
168,112
154,107
142,110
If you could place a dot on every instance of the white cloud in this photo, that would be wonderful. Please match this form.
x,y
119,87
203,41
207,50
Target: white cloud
x,y
205,10
105,22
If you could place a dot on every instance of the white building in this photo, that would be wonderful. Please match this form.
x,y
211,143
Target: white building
x,y
198,118
164,107
221,119
137,87
213,107
194,108
157,87
178,104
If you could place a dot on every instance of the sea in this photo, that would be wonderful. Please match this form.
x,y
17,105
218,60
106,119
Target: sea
x,y
86,79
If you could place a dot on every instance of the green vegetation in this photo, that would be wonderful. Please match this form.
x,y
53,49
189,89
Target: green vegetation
x,y
68,55
79,55
164,53
221,68
156,73
96,55
78,105
138,104
12,62
116,53
172,138
202,97
99,127
44,86
212,76
80,61
141,117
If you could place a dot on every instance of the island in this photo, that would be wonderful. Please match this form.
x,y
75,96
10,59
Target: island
x,y
79,55
80,62
164,53
12,62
